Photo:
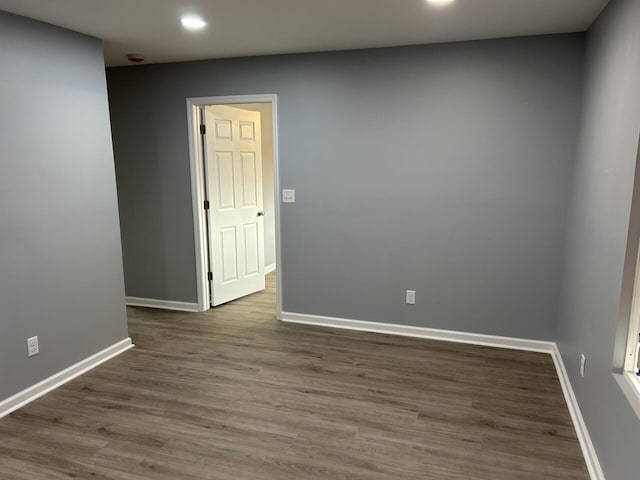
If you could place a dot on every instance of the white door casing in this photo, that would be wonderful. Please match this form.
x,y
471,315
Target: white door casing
x,y
233,162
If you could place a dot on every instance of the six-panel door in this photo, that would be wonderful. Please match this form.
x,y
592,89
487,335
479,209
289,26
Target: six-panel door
x,y
234,187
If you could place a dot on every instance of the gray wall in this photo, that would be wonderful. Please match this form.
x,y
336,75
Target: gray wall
x,y
597,238
60,258
442,168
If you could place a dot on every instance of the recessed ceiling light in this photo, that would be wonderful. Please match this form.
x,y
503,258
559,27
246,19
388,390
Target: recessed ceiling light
x,y
440,3
193,23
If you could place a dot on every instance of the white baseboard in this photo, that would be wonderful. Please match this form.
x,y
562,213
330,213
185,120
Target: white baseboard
x,y
269,268
588,450
29,394
421,332
164,304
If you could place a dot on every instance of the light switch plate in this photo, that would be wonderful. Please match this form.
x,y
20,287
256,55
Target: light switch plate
x,y
288,196
32,346
411,297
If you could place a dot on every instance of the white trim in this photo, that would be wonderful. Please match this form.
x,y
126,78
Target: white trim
x,y
631,360
43,387
588,450
551,348
197,199
164,304
269,268
421,332
630,385
197,189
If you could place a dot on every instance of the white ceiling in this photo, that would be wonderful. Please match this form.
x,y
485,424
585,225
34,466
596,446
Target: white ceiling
x,y
259,27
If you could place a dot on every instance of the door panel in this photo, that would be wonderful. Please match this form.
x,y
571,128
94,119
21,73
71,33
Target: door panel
x,y
233,160
249,184
229,254
252,251
247,131
223,129
226,183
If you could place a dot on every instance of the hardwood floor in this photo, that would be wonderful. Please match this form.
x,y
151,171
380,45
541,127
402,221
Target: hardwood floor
x,y
233,394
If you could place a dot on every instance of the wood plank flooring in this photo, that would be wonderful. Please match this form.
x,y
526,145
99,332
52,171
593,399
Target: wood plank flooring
x,y
233,394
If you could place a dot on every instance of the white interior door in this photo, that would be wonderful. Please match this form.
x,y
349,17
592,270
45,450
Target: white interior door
x,y
234,187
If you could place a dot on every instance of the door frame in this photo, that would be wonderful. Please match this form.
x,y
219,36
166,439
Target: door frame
x,y
196,164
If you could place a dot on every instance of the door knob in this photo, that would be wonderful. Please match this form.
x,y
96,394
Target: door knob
x,y
261,213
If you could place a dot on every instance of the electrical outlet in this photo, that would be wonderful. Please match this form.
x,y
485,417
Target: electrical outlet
x,y
32,346
288,196
583,360
411,297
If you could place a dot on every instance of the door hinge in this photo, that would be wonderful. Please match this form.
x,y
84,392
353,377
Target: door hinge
x,y
210,275
203,129
206,204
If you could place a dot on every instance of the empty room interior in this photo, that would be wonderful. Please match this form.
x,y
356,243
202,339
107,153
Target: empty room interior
x,y
338,239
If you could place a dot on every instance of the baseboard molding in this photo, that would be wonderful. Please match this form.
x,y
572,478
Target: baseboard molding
x,y
588,450
270,268
164,304
551,348
43,387
421,332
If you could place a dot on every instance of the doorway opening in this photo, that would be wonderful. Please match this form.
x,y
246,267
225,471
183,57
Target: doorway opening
x,y
233,146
